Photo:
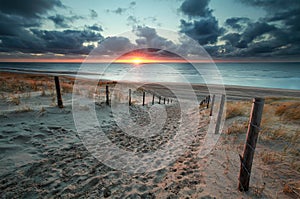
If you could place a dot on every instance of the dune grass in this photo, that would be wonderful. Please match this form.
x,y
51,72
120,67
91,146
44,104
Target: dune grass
x,y
280,124
237,128
289,111
238,108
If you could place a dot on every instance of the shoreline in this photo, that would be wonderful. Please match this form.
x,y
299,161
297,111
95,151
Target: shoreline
x,y
233,92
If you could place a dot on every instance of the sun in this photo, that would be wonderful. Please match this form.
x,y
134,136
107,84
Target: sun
x,y
137,61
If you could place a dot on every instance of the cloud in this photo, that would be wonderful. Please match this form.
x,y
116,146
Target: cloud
x,y
196,8
270,5
61,21
132,21
67,41
133,3
112,46
93,14
234,39
149,37
28,8
281,28
237,23
255,30
277,34
121,11
20,33
95,27
204,28
43,41
12,25
17,16
205,31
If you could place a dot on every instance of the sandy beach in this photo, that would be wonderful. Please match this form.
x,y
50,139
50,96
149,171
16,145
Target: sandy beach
x,y
42,154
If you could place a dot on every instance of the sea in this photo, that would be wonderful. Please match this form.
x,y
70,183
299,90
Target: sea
x,y
284,75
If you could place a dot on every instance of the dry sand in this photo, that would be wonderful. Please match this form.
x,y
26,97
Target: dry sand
x,y
43,156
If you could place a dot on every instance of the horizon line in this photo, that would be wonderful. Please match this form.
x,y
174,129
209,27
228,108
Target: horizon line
x,y
165,61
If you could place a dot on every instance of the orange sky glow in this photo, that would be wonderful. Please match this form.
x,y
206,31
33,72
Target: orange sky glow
x,y
135,60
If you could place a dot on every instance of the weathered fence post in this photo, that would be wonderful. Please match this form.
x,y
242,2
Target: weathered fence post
x,y
143,98
168,100
249,148
207,102
164,100
153,99
58,94
171,101
107,95
159,98
221,108
129,99
212,105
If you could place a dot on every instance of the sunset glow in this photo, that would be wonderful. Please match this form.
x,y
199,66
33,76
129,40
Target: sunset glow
x,y
137,61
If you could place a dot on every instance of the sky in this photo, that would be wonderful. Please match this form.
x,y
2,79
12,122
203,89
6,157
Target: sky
x,y
69,30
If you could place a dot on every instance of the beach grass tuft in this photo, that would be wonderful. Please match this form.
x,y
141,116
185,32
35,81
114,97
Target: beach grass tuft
x,y
237,128
289,111
234,109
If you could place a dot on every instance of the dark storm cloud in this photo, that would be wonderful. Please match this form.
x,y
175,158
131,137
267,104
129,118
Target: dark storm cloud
x,y
28,8
61,21
256,39
252,31
196,8
28,43
204,28
284,11
12,25
42,41
234,39
272,4
67,41
255,30
205,31
19,33
281,26
237,23
276,34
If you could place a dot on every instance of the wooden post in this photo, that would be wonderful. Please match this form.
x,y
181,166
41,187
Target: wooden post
x,y
212,105
164,100
153,99
129,99
207,102
58,94
171,101
143,98
249,148
159,98
107,95
221,108
168,101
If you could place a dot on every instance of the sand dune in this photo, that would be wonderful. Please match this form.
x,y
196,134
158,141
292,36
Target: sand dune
x,y
42,154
